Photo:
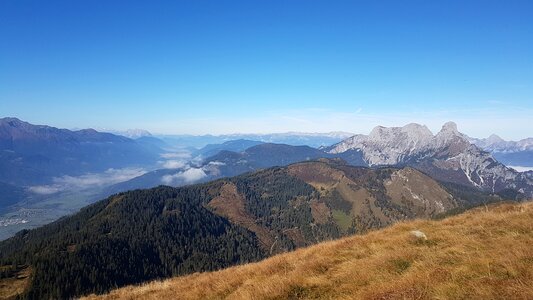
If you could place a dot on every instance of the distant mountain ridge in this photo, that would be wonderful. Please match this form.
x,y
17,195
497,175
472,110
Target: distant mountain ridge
x,y
133,133
224,163
264,156
290,138
233,145
447,156
31,154
494,143
511,153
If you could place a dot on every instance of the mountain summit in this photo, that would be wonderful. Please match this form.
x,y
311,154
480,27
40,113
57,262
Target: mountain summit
x,y
396,145
447,156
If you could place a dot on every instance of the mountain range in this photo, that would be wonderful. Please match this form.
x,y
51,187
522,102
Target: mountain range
x,y
290,138
46,172
496,144
224,204
447,156
238,145
511,153
131,133
226,163
157,233
34,154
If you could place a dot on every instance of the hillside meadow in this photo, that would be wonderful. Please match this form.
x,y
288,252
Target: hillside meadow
x,y
485,253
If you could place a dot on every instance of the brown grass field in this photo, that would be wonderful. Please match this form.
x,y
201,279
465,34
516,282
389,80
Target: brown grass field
x,y
11,287
485,253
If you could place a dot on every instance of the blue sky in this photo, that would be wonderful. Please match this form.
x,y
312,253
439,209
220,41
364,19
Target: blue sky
x,y
268,66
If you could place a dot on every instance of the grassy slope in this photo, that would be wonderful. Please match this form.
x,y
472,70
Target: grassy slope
x,y
485,253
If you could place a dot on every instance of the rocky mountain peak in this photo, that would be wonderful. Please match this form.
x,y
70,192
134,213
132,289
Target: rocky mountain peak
x,y
377,131
494,139
449,133
449,128
412,131
12,122
417,130
448,155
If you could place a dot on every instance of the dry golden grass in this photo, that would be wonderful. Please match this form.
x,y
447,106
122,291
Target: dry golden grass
x,y
486,253
230,204
11,287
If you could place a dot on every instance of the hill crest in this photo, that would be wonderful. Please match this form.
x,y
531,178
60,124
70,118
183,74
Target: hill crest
x,y
484,253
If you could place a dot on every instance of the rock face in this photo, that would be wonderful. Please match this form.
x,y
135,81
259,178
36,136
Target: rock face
x,y
388,146
447,156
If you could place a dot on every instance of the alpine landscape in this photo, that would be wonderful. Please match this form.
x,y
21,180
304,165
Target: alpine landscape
x,y
266,150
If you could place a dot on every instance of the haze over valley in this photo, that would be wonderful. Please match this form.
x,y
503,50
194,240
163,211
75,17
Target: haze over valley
x,y
72,172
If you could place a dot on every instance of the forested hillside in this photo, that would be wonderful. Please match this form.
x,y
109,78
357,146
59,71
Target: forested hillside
x,y
485,253
162,232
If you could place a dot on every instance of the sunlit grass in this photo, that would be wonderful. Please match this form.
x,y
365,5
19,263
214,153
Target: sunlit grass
x,y
482,254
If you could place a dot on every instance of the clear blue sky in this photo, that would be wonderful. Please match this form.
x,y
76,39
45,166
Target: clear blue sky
x,y
268,66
